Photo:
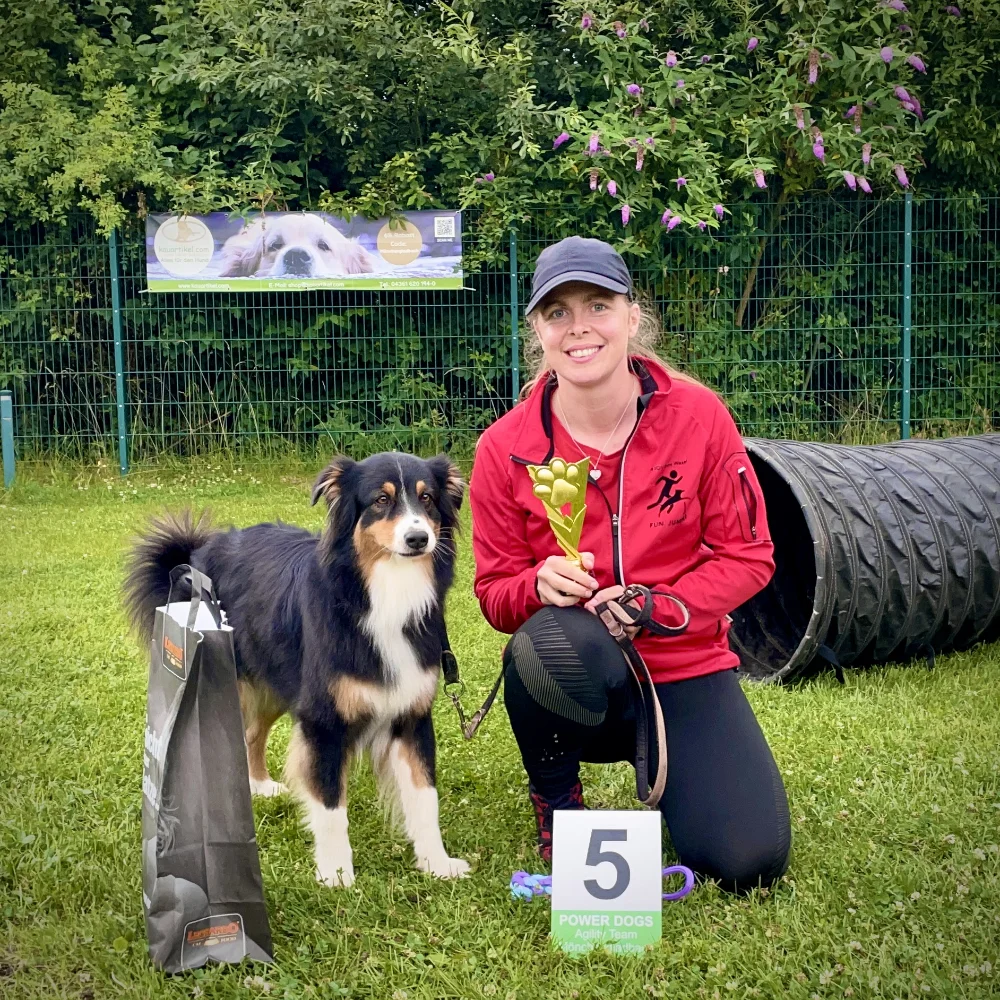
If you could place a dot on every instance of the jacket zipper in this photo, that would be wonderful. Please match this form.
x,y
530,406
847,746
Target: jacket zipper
x,y
750,499
616,532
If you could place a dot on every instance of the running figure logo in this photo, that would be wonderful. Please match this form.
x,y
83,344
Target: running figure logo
x,y
668,495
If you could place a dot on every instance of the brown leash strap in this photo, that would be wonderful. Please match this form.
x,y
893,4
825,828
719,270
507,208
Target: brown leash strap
x,y
618,619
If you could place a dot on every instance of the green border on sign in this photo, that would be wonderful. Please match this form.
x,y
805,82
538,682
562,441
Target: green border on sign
x,y
303,284
619,931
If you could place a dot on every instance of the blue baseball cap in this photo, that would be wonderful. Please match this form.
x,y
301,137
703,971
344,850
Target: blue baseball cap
x,y
578,258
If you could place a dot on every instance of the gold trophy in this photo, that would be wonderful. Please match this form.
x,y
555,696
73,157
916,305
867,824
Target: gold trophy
x,y
557,484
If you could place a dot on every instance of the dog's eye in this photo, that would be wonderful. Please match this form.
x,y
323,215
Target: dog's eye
x,y
276,245
425,498
323,246
381,500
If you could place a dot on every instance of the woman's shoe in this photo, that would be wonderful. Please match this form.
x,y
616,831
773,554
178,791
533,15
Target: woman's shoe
x,y
573,799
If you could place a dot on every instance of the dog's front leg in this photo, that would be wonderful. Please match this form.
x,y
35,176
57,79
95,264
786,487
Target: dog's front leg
x,y
317,771
410,761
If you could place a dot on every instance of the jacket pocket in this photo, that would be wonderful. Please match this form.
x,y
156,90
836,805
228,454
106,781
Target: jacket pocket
x,y
745,497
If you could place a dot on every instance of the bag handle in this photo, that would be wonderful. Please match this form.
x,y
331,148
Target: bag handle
x,y
199,585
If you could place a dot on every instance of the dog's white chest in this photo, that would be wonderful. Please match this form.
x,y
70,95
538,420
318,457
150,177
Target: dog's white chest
x,y
401,591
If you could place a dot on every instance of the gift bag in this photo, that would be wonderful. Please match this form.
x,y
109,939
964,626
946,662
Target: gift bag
x,y
202,892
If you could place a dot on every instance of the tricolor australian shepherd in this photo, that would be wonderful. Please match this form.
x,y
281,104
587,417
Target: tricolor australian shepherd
x,y
344,630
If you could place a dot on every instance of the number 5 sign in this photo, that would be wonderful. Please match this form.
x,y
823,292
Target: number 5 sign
x,y
606,881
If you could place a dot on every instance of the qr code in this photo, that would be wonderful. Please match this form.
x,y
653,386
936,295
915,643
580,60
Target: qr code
x,y
444,227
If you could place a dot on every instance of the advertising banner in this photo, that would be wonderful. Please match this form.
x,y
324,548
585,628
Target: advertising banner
x,y
298,251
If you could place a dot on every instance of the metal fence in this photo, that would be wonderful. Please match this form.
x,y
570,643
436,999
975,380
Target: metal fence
x,y
831,319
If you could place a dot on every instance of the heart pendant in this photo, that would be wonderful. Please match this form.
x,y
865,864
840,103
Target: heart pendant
x,y
596,474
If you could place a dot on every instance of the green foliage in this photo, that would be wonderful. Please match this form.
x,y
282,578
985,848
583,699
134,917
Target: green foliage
x,y
373,107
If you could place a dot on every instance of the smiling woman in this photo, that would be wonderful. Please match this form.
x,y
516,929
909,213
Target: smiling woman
x,y
675,538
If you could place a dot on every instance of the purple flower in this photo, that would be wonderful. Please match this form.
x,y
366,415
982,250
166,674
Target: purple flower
x,y
644,24
639,157
895,5
612,188
680,182
680,84
813,65
886,53
673,223
719,210
620,29
758,176
586,21
818,151
905,29
917,63
752,44
849,113
901,93
702,225
671,61
800,118
864,185
594,142
650,141
850,180
954,11
665,218
900,173
489,177
593,180
705,59
560,139
634,89
626,214
866,153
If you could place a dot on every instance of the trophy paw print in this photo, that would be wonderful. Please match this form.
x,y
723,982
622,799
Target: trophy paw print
x,y
557,484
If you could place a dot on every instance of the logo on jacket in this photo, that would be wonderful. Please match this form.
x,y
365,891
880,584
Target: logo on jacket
x,y
670,493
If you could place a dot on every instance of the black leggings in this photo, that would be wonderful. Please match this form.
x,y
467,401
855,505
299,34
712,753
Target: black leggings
x,y
724,803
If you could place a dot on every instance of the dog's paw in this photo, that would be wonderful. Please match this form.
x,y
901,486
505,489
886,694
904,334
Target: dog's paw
x,y
268,788
445,867
342,878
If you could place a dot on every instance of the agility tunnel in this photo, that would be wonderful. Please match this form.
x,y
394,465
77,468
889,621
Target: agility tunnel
x,y
883,553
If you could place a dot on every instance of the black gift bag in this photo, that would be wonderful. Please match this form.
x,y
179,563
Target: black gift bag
x,y
202,892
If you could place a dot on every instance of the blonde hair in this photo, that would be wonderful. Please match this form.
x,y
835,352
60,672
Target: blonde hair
x,y
643,345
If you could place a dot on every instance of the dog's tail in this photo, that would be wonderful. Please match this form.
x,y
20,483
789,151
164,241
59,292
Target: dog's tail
x,y
167,542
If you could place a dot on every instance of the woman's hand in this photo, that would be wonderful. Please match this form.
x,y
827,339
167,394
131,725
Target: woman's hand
x,y
610,594
563,583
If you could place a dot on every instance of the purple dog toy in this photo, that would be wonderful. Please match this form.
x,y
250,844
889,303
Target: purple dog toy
x,y
524,885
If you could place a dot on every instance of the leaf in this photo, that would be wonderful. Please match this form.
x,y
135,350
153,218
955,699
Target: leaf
x,y
120,944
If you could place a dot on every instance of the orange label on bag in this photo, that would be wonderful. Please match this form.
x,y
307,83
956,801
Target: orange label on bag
x,y
173,657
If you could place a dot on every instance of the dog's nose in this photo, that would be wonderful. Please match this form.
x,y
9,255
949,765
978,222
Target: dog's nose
x,y
416,540
298,261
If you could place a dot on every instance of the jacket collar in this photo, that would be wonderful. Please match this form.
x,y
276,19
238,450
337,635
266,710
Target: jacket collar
x,y
653,380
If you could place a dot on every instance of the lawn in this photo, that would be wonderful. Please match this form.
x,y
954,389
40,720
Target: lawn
x,y
893,890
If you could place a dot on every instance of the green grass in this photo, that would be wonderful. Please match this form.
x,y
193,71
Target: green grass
x,y
893,890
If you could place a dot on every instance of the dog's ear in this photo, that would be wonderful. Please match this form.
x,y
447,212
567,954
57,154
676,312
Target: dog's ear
x,y
241,254
357,260
449,479
330,482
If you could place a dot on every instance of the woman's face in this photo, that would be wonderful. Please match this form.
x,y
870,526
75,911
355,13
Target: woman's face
x,y
585,331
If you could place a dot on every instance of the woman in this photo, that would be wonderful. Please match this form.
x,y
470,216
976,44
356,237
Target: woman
x,y
672,504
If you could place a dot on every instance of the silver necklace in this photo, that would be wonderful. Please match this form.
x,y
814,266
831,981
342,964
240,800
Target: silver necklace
x,y
595,473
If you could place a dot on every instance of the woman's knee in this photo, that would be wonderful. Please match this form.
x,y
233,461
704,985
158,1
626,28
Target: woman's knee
x,y
740,868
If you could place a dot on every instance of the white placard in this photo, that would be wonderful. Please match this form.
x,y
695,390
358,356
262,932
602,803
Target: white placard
x,y
606,879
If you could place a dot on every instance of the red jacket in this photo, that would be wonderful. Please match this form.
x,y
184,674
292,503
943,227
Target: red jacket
x,y
690,519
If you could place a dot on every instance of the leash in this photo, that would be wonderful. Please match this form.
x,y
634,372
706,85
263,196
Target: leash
x,y
454,687
622,621
524,885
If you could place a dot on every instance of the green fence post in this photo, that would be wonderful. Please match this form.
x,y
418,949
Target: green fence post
x,y
515,346
904,418
116,321
7,434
